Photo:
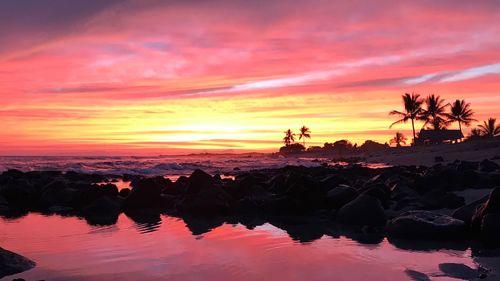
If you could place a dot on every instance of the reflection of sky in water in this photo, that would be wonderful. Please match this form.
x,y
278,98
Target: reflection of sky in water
x,y
163,248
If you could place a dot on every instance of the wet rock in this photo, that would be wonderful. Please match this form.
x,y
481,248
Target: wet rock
x,y
492,206
488,166
490,229
467,165
124,193
4,206
20,193
438,199
282,205
425,225
104,210
364,210
208,201
58,193
465,213
145,193
12,263
340,195
198,181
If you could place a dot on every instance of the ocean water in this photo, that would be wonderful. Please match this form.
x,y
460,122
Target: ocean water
x,y
167,248
154,165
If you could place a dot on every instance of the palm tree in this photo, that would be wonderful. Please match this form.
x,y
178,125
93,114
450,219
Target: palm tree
x,y
289,137
435,112
489,128
413,108
460,112
475,134
304,133
398,139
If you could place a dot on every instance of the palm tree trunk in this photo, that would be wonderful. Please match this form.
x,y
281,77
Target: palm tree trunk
x,y
413,127
460,126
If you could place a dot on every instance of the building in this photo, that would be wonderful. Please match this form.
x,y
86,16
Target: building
x,y
439,136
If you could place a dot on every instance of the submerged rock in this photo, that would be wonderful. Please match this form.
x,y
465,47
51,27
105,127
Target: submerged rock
x,y
364,210
425,225
12,263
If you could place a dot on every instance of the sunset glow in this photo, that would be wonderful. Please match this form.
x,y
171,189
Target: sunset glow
x,y
165,77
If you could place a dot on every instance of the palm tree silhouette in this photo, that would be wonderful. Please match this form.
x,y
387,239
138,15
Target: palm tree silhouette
x,y
460,112
289,137
489,128
304,133
398,139
413,108
435,112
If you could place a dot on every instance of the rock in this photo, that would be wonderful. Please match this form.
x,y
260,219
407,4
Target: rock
x,y
58,193
490,229
340,195
12,263
124,192
4,206
197,181
103,211
488,166
145,193
425,225
438,199
20,193
438,159
492,206
364,210
208,201
61,210
380,191
465,213
467,165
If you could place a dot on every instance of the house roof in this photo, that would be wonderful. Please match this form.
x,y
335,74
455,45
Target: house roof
x,y
440,135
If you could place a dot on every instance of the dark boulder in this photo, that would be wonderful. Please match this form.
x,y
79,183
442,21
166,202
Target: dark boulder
x,y
492,206
103,211
198,181
490,229
438,199
20,193
364,210
465,213
124,193
145,193
4,206
208,201
425,225
340,195
488,166
380,191
12,263
467,165
58,193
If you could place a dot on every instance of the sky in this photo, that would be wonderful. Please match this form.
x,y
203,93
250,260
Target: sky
x,y
130,77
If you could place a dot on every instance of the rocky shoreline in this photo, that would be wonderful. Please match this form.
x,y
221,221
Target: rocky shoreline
x,y
402,203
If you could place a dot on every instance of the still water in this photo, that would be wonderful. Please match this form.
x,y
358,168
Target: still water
x,y
168,248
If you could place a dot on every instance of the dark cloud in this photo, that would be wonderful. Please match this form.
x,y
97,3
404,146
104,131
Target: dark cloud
x,y
27,22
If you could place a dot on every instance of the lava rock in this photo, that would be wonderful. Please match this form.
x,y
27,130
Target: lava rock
x,y
12,263
364,210
425,225
340,195
488,166
490,229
